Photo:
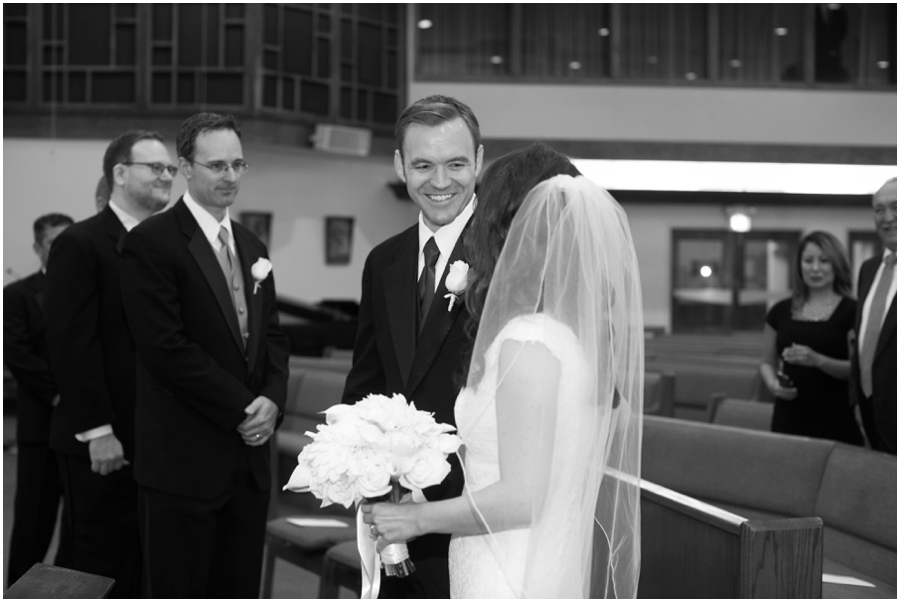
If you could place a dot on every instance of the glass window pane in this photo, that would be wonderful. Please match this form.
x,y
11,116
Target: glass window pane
x,y
125,10
701,290
190,22
161,88
270,24
112,87
234,45
89,34
15,9
162,22
15,86
298,44
212,35
369,11
15,48
270,60
384,108
323,47
324,24
125,45
162,56
225,88
77,87
362,105
346,103
53,21
369,54
52,87
186,93
287,94
234,11
314,98
270,91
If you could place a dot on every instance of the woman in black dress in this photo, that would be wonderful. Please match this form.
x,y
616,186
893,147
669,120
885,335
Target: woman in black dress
x,y
805,360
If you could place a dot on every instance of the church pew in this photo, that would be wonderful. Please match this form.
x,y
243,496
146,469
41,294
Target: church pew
x,y
690,549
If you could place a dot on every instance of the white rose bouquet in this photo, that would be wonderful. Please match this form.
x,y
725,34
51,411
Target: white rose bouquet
x,y
379,446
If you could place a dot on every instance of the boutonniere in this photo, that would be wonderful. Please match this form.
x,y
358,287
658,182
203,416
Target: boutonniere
x,y
260,271
457,281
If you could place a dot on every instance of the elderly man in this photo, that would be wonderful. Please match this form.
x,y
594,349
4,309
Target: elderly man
x,y
875,358
92,357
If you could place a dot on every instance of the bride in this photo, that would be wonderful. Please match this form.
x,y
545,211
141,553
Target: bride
x,y
551,413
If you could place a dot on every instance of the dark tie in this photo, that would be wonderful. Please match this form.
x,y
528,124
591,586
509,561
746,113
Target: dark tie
x,y
873,325
426,280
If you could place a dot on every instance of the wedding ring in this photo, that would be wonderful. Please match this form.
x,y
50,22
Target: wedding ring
x,y
256,435
373,532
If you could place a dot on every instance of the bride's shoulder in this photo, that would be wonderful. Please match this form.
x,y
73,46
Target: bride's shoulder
x,y
538,328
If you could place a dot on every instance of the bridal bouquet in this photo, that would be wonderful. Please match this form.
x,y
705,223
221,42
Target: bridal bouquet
x,y
377,447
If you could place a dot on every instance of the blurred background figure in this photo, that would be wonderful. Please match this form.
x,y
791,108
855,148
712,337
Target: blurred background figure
x,y
101,196
92,356
39,488
805,361
875,357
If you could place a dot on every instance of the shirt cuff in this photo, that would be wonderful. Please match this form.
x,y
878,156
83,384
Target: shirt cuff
x,y
418,497
96,433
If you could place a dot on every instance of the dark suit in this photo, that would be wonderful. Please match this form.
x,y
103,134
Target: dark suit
x,y
92,357
879,412
428,368
204,492
38,487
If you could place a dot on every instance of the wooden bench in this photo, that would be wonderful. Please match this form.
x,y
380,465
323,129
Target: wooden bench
x,y
48,581
690,549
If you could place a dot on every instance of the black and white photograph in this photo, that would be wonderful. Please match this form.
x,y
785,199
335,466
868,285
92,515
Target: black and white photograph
x,y
442,300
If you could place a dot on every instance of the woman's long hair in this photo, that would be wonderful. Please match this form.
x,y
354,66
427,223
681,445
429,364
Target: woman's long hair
x,y
835,253
504,186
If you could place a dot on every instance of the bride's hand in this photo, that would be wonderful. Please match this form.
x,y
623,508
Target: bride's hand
x,y
393,523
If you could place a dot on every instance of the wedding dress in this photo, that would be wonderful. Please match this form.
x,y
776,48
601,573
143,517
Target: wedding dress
x,y
566,282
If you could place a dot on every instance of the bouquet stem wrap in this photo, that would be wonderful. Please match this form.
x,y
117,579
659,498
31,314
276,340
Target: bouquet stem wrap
x,y
394,558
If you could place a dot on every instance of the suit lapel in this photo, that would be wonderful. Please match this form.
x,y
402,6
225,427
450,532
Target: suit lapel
x,y
248,256
205,257
400,297
888,328
438,323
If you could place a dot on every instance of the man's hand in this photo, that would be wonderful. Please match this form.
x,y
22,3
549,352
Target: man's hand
x,y
260,422
107,455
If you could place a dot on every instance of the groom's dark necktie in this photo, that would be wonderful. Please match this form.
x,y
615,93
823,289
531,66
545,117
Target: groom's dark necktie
x,y
426,280
873,327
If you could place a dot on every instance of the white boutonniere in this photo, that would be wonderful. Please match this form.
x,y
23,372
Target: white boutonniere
x,y
260,271
457,281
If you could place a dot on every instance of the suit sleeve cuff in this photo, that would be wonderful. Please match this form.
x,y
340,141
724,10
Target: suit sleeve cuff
x,y
96,433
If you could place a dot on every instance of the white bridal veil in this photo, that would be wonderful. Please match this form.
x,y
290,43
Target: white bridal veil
x,y
568,278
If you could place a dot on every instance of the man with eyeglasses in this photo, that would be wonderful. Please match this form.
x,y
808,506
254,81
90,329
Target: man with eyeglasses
x,y
93,359
211,376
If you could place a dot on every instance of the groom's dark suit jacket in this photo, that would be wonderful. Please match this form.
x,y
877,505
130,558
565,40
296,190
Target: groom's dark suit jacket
x,y
879,412
390,356
194,377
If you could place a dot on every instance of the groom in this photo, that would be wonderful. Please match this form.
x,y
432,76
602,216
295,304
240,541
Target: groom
x,y
410,340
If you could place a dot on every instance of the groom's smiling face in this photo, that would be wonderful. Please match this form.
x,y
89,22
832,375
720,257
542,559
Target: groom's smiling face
x,y
439,165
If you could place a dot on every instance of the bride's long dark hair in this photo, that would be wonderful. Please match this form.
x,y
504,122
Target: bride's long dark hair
x,y
504,186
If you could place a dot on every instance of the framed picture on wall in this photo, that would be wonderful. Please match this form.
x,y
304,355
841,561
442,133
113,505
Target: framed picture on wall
x,y
338,240
260,223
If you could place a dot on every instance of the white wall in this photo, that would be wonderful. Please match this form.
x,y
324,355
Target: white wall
x,y
676,114
652,225
299,186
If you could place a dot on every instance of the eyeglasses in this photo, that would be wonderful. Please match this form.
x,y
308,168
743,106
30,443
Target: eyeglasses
x,y
157,168
239,166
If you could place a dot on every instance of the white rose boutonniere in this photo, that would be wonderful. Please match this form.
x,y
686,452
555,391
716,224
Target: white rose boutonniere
x,y
260,271
457,281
